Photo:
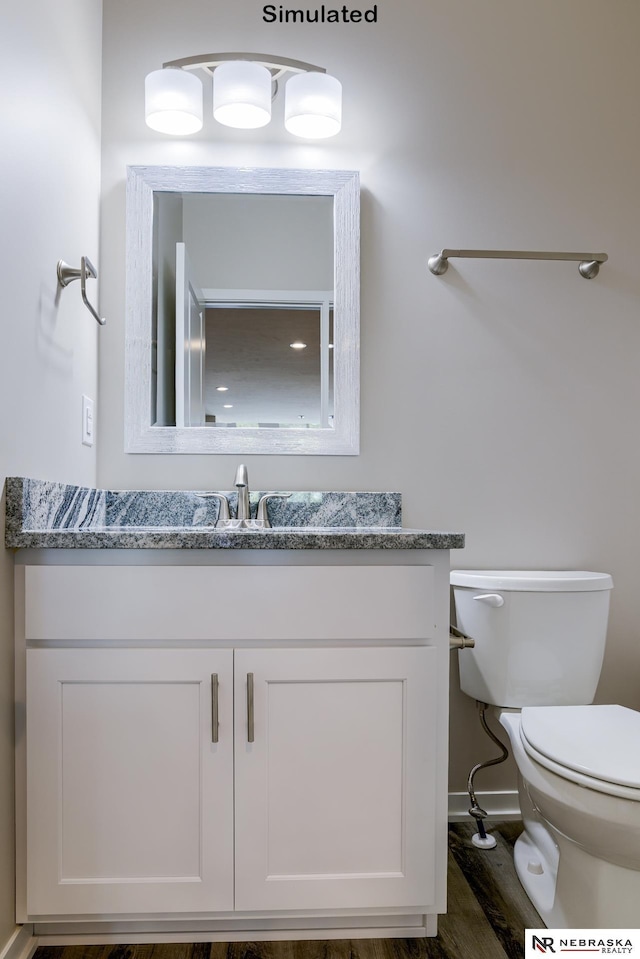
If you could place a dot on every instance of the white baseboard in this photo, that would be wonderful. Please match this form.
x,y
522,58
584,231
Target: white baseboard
x,y
228,929
502,804
21,945
270,935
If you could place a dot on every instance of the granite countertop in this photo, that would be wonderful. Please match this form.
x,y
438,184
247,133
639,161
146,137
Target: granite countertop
x,y
47,515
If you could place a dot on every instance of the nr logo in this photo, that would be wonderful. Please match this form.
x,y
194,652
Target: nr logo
x,y
542,943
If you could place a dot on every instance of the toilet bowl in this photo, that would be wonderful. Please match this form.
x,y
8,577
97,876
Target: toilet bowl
x,y
579,855
539,645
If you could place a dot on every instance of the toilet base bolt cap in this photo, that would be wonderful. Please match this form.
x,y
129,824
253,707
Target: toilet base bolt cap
x,y
487,843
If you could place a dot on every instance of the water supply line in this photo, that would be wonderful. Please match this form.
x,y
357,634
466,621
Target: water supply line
x,y
460,640
480,838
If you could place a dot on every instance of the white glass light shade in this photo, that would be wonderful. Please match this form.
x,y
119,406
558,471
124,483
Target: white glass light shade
x,y
313,105
173,101
242,94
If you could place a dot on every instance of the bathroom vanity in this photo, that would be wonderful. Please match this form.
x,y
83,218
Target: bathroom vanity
x,y
229,735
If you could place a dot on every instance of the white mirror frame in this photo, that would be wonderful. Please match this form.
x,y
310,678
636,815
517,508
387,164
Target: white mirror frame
x,y
344,186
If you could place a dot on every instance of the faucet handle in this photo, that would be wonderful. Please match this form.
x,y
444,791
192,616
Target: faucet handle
x,y
223,511
263,515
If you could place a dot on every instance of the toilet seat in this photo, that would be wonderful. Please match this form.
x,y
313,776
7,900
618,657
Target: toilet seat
x,y
594,746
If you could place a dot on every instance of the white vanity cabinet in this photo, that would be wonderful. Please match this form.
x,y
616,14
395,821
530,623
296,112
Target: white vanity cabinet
x,y
192,752
129,803
334,798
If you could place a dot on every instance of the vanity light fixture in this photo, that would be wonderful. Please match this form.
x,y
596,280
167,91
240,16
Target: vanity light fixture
x,y
244,85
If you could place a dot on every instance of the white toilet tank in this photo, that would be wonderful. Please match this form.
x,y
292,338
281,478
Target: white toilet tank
x,y
539,635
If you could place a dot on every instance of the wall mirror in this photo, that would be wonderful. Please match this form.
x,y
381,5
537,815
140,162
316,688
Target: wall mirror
x,y
242,311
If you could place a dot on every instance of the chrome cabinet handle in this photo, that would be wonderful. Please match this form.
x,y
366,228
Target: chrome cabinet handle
x,y
214,708
250,727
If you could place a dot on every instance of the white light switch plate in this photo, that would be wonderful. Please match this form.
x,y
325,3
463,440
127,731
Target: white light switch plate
x,y
88,425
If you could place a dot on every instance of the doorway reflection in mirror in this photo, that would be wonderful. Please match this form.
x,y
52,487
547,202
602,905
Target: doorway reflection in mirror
x,y
278,249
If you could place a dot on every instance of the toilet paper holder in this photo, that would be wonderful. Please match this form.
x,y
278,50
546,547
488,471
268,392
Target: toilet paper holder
x,y
67,274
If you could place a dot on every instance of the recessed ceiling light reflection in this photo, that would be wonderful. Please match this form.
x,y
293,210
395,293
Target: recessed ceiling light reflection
x,y
227,406
298,345
222,389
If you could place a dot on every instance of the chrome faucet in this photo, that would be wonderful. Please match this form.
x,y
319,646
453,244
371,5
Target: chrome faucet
x,y
242,485
244,509
243,514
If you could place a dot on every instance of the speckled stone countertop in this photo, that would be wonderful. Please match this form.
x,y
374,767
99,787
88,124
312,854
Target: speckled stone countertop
x,y
47,515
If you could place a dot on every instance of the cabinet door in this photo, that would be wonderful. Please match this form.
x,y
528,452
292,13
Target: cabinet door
x,y
129,800
335,796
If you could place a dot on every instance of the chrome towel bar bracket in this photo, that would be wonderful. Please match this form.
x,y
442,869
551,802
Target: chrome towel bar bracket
x,y
67,274
588,268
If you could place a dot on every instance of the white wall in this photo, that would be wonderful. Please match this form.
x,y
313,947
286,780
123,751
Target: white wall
x,y
50,57
260,242
502,399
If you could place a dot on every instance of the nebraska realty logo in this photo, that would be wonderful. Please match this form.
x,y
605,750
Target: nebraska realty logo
x,y
607,942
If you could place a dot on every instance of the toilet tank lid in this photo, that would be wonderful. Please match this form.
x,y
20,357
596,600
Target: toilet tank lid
x,y
531,580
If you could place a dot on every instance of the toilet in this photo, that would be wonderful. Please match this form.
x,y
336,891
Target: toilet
x,y
539,644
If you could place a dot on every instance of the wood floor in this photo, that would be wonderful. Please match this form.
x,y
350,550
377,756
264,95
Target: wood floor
x,y
488,913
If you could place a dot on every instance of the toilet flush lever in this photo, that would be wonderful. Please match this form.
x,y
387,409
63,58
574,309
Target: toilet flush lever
x,y
491,599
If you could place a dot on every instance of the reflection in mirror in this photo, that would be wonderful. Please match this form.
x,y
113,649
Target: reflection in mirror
x,y
244,286
270,365
281,249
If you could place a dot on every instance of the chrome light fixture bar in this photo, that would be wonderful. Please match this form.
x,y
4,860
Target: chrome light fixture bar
x,y
589,262
244,85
